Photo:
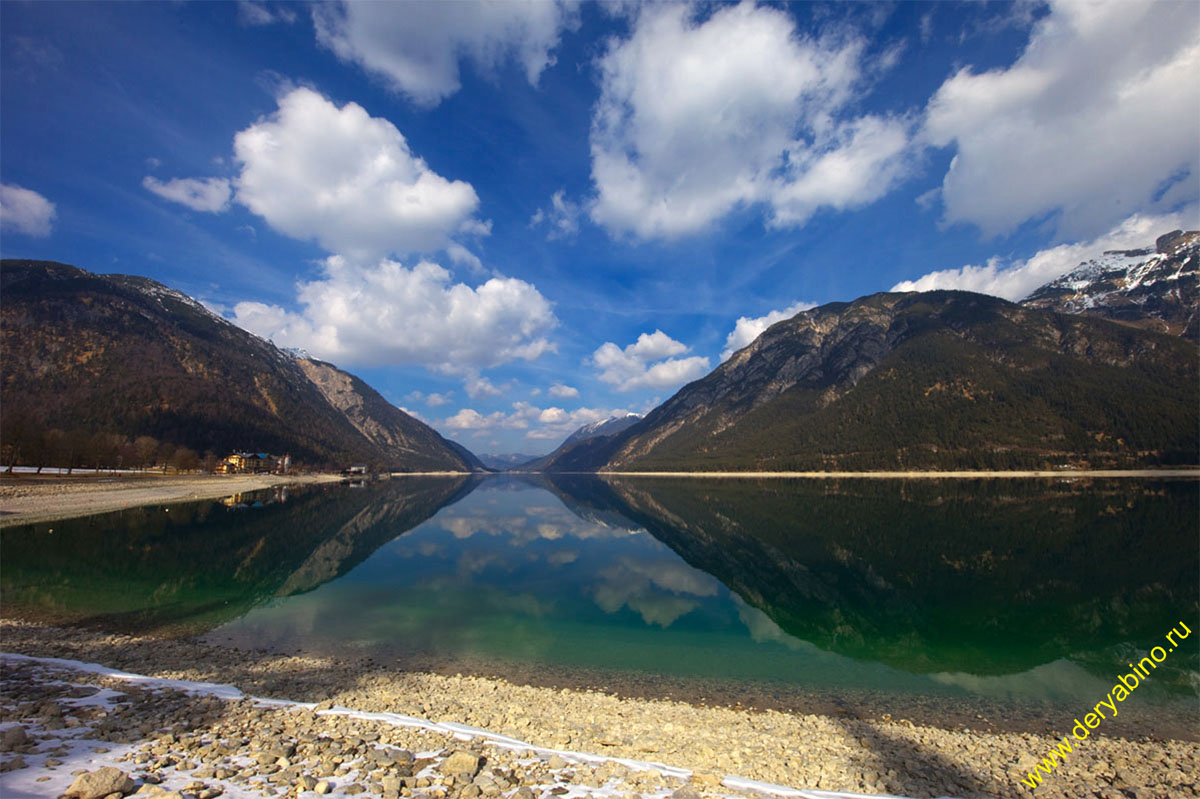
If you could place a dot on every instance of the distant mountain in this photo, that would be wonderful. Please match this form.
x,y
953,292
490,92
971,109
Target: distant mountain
x,y
504,461
605,427
1156,288
941,379
580,439
87,354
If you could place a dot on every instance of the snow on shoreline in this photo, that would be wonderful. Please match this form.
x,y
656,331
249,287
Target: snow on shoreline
x,y
91,754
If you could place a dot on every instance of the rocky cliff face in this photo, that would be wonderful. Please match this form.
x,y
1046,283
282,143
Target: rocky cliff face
x,y
383,424
127,355
1156,288
921,380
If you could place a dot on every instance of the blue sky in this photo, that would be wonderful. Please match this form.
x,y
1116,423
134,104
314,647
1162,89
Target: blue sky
x,y
516,218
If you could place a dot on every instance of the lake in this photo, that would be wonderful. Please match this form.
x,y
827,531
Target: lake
x,y
914,593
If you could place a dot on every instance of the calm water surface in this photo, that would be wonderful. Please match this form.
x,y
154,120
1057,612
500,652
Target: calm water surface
x,y
1035,590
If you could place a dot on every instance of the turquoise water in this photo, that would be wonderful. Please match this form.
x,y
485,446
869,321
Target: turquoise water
x,y
1004,589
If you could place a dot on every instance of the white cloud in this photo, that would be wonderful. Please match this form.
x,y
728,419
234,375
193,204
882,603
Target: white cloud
x,y
414,414
477,387
551,423
436,400
859,162
562,217
210,195
416,47
1015,280
25,211
631,368
471,419
563,391
255,14
464,257
1094,120
749,328
348,180
392,314
698,119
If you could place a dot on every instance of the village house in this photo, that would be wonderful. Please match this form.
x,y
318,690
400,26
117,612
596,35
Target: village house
x,y
254,463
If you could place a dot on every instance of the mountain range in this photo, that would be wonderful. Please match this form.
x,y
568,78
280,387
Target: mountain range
x,y
1078,375
1098,368
587,435
128,356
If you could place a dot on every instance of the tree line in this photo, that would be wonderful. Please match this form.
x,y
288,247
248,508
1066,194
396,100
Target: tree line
x,y
32,446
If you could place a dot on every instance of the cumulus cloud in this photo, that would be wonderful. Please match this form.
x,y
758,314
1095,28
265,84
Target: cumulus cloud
x,y
551,423
562,217
417,47
210,195
477,387
749,328
764,110
1016,279
464,257
1097,119
647,363
392,314
25,211
563,391
347,179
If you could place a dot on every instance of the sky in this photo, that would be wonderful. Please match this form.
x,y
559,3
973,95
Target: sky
x,y
515,218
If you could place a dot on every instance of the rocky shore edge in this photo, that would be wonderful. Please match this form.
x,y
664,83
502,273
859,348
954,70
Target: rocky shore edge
x,y
196,743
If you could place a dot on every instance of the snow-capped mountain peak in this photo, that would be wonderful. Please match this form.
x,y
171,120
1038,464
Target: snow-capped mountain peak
x,y
1154,287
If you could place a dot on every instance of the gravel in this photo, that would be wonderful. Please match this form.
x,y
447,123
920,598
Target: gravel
x,y
199,744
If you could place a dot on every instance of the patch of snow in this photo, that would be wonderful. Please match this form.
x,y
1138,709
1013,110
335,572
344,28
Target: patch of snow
x,y
83,754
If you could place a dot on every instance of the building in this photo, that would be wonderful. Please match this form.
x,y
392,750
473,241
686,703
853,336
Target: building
x,y
254,463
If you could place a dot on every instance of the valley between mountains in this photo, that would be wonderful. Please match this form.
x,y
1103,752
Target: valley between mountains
x,y
1098,369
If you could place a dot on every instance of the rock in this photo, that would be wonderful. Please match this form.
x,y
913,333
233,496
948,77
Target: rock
x,y
12,764
324,786
686,792
13,737
155,792
461,761
100,783
556,762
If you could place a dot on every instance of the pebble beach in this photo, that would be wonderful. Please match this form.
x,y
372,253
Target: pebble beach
x,y
463,736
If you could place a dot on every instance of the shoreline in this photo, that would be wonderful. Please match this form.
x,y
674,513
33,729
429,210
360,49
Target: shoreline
x,y
807,751
27,498
30,498
893,475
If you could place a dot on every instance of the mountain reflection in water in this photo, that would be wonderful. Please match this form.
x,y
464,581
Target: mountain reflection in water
x,y
1024,588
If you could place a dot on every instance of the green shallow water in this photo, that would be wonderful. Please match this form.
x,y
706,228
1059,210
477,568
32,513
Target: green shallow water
x,y
1009,590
